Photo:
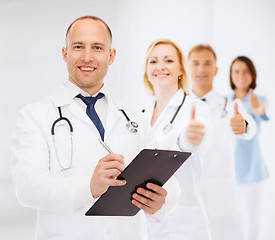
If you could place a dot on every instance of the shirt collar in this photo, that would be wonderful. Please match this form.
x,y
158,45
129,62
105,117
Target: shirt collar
x,y
246,98
208,96
232,96
68,91
176,100
211,97
74,90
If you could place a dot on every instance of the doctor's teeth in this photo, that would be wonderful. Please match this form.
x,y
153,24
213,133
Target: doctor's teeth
x,y
87,69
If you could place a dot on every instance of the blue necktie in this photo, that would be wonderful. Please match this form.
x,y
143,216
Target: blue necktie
x,y
91,112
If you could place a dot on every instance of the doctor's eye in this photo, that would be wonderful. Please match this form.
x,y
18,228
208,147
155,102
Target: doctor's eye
x,y
153,62
169,61
98,48
77,47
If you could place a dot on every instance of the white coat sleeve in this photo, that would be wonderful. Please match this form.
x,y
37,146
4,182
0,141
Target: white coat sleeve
x,y
251,124
34,185
171,186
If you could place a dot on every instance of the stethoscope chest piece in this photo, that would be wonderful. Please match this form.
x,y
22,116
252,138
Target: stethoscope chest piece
x,y
132,126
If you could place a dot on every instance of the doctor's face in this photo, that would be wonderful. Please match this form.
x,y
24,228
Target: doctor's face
x,y
203,69
163,67
241,75
88,54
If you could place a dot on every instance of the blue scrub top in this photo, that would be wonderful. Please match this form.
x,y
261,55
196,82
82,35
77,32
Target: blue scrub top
x,y
249,162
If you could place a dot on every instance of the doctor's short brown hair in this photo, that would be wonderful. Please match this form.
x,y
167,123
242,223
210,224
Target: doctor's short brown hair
x,y
202,47
91,18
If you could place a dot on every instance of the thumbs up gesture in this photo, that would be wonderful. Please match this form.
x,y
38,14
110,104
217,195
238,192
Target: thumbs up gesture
x,y
257,107
237,122
195,129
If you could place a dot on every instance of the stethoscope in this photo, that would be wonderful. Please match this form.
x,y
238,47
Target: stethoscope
x,y
130,125
224,111
168,127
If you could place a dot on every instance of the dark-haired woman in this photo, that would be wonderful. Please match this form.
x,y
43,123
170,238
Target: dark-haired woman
x,y
250,167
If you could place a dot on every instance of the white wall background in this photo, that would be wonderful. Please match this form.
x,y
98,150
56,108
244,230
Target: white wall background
x,y
32,34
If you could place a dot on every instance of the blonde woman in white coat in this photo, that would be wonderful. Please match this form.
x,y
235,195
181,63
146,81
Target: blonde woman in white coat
x,y
178,122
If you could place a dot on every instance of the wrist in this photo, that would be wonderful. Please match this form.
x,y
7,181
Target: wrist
x,y
262,111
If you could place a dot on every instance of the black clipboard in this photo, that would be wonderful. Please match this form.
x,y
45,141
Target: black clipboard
x,y
155,166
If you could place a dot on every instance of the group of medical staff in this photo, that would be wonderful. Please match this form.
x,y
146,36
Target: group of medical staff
x,y
60,168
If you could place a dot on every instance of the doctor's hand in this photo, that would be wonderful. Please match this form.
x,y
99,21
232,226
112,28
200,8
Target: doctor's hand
x,y
150,201
195,130
237,122
257,107
106,171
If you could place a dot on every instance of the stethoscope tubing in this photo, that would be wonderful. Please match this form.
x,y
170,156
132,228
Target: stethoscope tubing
x,y
168,127
131,126
61,118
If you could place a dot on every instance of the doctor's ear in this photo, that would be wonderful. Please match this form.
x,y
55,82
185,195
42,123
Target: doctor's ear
x,y
216,71
112,55
64,54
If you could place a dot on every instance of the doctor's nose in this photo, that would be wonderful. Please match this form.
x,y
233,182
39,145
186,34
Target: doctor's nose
x,y
201,68
88,55
160,66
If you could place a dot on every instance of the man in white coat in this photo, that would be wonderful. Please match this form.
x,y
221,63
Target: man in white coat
x,y
60,175
229,120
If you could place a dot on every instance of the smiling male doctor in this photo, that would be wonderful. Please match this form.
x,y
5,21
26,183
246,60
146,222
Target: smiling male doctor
x,y
62,184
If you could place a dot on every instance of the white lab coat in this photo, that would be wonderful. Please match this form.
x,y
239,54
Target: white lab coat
x,y
219,182
62,197
189,220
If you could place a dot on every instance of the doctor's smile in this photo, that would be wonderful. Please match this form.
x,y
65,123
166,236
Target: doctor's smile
x,y
202,76
161,75
87,69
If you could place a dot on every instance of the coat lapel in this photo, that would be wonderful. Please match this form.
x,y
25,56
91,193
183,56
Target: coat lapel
x,y
76,110
113,115
62,98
